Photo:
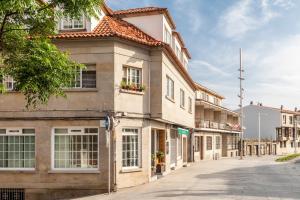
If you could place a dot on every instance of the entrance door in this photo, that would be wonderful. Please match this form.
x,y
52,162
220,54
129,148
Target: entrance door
x,y
184,140
274,149
173,148
224,145
201,148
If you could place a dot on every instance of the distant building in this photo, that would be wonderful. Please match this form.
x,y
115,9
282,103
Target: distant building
x,y
276,124
269,120
217,129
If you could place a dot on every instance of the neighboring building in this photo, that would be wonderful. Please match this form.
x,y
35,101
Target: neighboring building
x,y
275,124
137,73
217,129
251,147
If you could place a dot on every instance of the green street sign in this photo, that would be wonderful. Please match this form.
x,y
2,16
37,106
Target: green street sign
x,y
182,131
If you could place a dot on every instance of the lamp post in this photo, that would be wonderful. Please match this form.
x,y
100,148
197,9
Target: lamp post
x,y
259,133
295,133
241,96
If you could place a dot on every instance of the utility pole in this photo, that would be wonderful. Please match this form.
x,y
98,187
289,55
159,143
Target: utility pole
x,y
258,134
241,104
295,133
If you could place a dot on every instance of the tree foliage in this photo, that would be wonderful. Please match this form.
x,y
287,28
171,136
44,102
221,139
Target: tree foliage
x,y
39,68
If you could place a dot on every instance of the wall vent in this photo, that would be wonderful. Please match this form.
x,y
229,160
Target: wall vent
x,y
12,194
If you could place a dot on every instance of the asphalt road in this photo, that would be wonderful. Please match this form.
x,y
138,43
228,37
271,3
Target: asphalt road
x,y
232,179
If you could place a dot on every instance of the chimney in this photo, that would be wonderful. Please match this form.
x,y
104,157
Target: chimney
x,y
281,107
296,109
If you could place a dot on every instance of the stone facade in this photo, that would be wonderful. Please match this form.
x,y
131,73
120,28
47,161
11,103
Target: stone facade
x,y
148,112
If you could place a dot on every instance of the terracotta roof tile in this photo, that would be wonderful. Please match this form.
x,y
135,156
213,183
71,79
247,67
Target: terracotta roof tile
x,y
110,26
138,10
143,11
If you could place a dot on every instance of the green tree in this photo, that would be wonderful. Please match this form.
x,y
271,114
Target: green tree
x,y
40,70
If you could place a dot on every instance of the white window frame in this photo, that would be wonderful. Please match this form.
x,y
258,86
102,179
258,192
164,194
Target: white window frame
x,y
80,79
139,148
70,128
177,51
182,98
6,80
170,88
20,133
129,74
167,36
72,21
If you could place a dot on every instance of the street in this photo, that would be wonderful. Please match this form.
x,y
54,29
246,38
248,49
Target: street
x,y
251,178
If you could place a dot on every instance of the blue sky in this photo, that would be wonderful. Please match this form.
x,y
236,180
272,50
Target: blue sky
x,y
214,30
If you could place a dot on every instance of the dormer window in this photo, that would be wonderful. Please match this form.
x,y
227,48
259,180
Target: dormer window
x,y
177,51
167,36
72,24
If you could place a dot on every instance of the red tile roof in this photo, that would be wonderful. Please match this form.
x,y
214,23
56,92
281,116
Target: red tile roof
x,y
138,10
109,27
145,10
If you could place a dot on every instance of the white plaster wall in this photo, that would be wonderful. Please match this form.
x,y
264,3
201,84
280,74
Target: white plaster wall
x,y
171,110
270,119
152,25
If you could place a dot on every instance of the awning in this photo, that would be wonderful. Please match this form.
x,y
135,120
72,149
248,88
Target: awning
x,y
182,131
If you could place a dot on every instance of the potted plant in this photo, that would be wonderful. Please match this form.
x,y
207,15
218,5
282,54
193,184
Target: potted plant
x,y
153,164
142,88
123,85
160,165
132,87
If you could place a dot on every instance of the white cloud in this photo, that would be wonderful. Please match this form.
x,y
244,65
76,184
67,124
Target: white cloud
x,y
189,9
274,78
249,15
214,70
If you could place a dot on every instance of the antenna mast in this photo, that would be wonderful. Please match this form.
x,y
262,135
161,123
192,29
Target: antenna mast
x,y
241,96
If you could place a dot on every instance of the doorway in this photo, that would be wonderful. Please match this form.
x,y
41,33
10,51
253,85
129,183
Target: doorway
x,y
201,148
158,151
184,141
173,148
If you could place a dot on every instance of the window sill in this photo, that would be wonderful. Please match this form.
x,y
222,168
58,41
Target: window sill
x,y
72,171
131,170
64,30
182,107
170,99
18,171
81,90
131,92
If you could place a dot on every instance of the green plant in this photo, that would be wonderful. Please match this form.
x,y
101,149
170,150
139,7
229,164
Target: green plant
x,y
40,69
160,155
143,88
132,87
153,157
288,157
123,84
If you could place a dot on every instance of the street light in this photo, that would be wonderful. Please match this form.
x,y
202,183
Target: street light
x,y
259,149
295,133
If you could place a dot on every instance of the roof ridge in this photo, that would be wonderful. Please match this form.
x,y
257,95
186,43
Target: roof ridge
x,y
142,8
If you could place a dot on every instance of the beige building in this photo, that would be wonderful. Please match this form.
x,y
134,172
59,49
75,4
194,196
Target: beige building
x,y
217,128
285,132
136,74
256,148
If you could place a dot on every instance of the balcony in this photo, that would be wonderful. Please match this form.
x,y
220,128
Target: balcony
x,y
281,138
218,126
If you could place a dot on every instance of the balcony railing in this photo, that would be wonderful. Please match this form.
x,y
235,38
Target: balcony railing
x,y
216,125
